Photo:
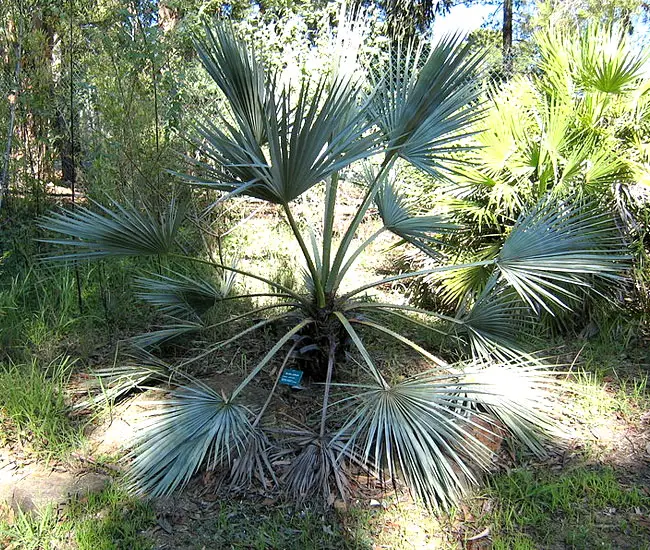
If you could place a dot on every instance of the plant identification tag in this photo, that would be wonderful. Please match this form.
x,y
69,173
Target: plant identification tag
x,y
291,377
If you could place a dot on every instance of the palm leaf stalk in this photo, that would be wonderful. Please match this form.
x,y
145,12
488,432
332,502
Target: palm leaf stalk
x,y
276,144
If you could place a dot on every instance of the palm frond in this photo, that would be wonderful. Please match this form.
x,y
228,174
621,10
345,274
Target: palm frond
x,y
518,393
497,324
452,287
556,249
252,462
124,231
423,112
325,131
420,231
178,295
165,334
236,70
607,63
139,371
197,426
419,430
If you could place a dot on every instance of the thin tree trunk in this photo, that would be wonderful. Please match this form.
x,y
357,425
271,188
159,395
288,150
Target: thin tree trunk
x,y
507,37
13,100
67,153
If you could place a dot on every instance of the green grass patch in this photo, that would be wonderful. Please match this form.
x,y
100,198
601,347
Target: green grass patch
x,y
582,509
27,531
110,520
33,410
245,525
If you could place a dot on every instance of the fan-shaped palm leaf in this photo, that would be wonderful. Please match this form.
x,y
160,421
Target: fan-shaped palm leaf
x,y
452,287
418,230
196,426
124,231
418,429
178,295
556,248
139,371
607,63
239,75
323,133
423,111
517,392
165,334
496,325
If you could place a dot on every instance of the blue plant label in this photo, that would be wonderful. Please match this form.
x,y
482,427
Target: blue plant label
x,y
291,377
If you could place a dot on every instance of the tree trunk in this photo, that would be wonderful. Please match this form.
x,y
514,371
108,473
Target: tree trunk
x,y
13,100
507,37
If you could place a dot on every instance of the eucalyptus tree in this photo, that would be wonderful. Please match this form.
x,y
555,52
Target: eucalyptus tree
x,y
274,144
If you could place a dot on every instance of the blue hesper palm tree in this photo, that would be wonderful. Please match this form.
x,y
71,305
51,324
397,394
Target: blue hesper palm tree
x,y
275,144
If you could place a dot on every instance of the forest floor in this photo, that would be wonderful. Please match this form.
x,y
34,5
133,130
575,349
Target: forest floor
x,y
591,491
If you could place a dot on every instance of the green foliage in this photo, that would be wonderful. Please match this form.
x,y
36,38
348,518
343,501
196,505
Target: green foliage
x,y
564,130
569,509
244,525
110,520
33,408
32,532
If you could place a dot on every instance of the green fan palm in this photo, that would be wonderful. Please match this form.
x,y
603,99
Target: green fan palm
x,y
564,130
275,145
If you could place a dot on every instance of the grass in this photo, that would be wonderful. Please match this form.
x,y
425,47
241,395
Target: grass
x,y
583,509
31,532
110,520
245,525
40,313
33,410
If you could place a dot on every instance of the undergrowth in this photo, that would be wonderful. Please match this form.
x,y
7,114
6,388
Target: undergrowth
x,y
110,520
33,410
582,509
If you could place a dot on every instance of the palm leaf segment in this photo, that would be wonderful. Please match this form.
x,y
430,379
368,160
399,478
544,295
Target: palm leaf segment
x,y
423,112
600,58
554,250
516,392
198,425
124,231
239,75
180,295
419,429
495,324
398,218
323,133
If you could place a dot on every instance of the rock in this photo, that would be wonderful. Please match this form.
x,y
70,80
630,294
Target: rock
x,y
35,487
